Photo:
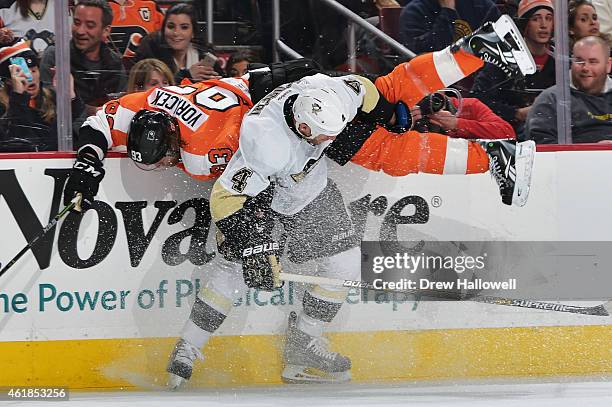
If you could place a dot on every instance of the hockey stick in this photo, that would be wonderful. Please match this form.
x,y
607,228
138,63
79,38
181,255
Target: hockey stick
x,y
602,310
74,204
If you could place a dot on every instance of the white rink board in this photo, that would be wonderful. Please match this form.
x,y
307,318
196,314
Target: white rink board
x,y
569,201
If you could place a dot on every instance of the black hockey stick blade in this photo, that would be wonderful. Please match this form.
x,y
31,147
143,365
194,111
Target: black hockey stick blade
x,y
602,310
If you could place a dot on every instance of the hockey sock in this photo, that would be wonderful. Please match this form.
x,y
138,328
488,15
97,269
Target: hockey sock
x,y
203,322
446,155
478,159
412,81
467,62
195,335
207,315
310,325
319,309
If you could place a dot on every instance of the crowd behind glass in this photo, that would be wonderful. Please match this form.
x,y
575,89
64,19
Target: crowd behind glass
x,y
125,46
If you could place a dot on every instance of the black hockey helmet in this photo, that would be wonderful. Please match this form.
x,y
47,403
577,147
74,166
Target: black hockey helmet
x,y
153,135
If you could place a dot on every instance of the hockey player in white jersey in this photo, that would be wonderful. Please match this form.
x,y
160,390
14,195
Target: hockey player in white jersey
x,y
279,172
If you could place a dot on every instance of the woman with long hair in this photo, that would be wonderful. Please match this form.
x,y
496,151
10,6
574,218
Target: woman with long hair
x,y
178,46
583,21
28,108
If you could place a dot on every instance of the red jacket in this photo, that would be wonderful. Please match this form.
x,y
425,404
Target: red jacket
x,y
477,121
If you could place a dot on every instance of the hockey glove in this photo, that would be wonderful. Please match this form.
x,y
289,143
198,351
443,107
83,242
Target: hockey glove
x,y
261,266
84,179
403,119
402,116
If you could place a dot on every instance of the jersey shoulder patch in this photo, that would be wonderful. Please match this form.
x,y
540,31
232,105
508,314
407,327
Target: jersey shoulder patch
x,y
353,84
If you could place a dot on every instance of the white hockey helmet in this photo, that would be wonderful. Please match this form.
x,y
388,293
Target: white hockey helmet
x,y
321,110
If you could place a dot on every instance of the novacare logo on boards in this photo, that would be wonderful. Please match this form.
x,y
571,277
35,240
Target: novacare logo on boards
x,y
139,236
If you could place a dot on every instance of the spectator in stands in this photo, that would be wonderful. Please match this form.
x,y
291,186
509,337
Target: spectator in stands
x,y
319,31
132,20
509,7
431,25
604,16
28,107
583,20
474,121
178,46
97,70
237,64
591,98
149,73
29,19
512,99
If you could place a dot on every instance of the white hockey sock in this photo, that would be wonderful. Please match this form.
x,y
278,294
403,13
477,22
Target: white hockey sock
x,y
310,325
195,335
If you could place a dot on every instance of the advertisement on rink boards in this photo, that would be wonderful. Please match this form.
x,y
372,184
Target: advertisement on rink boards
x,y
131,266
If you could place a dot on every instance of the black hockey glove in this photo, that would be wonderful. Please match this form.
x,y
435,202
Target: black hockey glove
x,y
85,177
261,266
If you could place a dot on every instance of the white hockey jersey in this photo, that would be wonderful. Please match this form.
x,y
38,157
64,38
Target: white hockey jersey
x,y
269,150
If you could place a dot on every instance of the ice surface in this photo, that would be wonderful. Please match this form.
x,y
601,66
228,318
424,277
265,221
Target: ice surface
x,y
499,394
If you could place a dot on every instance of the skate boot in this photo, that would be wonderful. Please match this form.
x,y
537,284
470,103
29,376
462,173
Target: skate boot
x,y
510,163
180,365
308,359
501,44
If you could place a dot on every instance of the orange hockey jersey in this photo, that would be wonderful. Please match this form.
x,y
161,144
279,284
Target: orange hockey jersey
x,y
209,115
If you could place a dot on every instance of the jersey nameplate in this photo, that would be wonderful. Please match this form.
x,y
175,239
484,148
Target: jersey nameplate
x,y
266,100
185,111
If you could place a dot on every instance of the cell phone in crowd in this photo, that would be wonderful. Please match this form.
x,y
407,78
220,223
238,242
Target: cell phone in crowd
x,y
21,62
209,59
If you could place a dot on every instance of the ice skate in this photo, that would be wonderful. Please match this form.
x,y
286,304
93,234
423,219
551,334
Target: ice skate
x,y
308,359
501,44
510,164
180,365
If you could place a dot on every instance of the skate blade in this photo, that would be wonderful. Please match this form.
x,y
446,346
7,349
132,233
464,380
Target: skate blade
x,y
175,382
523,161
295,374
503,27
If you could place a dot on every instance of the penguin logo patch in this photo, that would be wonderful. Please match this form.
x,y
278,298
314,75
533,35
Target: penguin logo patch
x,y
355,85
316,108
